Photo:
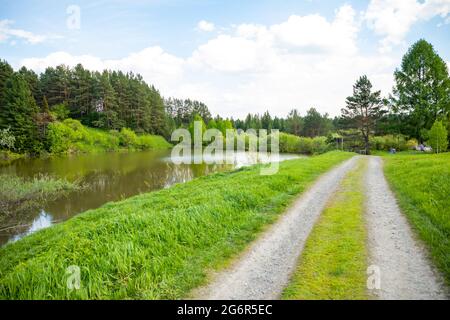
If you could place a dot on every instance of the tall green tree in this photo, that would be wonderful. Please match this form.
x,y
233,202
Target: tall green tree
x,y
18,111
6,71
422,90
294,123
363,109
437,137
316,124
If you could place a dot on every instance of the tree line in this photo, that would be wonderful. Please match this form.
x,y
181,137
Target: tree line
x,y
418,108
112,100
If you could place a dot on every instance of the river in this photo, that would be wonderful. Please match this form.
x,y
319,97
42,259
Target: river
x,y
107,177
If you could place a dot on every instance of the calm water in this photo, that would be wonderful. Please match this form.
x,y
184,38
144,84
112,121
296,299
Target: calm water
x,y
109,177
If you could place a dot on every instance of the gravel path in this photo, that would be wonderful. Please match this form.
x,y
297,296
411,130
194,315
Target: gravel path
x,y
405,270
264,270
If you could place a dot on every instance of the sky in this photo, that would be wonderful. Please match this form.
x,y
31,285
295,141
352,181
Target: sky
x,y
238,57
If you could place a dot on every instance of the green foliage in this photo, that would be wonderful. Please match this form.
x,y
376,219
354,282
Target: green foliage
x,y
18,194
388,142
158,245
60,111
7,139
293,144
422,185
422,88
203,126
437,137
70,136
363,109
17,112
127,138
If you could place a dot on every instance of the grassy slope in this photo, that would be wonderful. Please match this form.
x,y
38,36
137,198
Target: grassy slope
x,y
158,245
333,263
422,186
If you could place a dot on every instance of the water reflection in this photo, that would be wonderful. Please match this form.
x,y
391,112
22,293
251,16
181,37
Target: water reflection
x,y
43,220
110,177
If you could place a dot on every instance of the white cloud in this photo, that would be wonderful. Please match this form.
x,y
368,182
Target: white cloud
x,y
302,62
206,26
155,65
392,19
7,32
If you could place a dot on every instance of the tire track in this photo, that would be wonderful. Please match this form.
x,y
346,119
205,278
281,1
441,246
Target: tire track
x,y
265,268
405,270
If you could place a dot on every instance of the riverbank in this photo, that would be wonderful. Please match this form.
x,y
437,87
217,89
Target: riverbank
x,y
72,137
19,195
422,186
158,245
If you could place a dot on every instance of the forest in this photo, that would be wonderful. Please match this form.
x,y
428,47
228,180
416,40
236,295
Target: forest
x,y
35,107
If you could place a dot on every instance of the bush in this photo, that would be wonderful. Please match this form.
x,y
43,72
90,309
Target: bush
x,y
7,139
388,142
70,136
60,112
127,138
293,144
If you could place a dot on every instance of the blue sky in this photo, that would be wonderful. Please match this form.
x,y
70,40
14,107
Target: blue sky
x,y
244,56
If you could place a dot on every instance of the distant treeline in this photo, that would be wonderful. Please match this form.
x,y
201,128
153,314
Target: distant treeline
x,y
113,100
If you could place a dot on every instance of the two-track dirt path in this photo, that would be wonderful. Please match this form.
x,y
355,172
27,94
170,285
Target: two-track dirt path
x,y
263,271
405,270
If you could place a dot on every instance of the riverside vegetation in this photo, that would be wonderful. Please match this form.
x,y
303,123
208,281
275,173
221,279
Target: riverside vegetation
x,y
158,245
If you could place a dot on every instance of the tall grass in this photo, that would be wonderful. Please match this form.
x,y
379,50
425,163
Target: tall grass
x,y
18,194
158,245
422,185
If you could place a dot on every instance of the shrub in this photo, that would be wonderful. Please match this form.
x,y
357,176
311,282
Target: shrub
x,y
60,111
387,142
293,144
7,139
127,138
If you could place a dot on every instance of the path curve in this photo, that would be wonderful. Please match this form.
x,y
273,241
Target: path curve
x,y
265,268
405,270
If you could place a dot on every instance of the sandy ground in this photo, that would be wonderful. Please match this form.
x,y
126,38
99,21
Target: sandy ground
x,y
405,270
264,269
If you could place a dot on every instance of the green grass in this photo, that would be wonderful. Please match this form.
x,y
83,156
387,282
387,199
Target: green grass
x,y
18,194
334,261
422,185
159,245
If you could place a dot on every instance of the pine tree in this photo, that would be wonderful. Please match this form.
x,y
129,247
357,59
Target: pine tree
x,y
363,109
6,71
18,111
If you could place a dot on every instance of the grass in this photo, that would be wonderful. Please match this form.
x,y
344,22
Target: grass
x,y
334,261
18,194
159,245
422,185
